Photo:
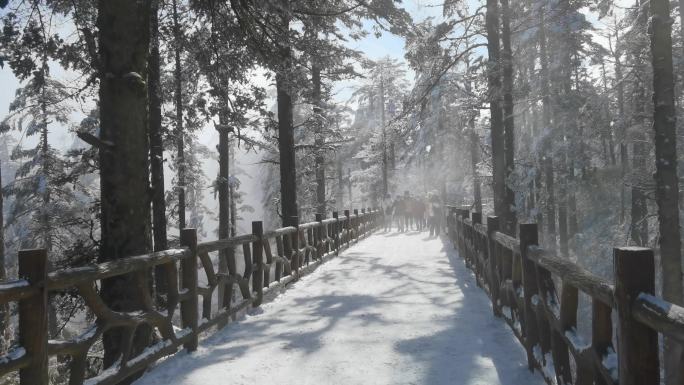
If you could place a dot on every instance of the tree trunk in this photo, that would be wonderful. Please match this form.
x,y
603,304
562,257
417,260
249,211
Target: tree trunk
x,y
474,161
639,213
609,138
223,184
568,112
622,130
573,222
681,38
288,173
232,194
319,139
159,222
667,188
639,210
5,332
44,216
124,165
385,160
547,133
563,202
496,118
538,191
349,187
178,101
340,186
392,153
509,123
474,151
45,164
155,132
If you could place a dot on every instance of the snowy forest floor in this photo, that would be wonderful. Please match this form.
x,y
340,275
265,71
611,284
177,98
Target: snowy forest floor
x,y
393,309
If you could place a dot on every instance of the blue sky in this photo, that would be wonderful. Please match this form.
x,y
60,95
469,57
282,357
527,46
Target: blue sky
x,y
391,45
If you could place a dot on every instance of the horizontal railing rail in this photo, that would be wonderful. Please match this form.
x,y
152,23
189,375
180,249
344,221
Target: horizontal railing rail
x,y
520,278
180,311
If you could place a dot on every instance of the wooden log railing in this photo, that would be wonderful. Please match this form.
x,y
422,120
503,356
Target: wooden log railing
x,y
521,278
181,317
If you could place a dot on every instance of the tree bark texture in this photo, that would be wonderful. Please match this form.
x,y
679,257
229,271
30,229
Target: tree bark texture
x,y
288,173
508,116
319,139
547,132
667,188
124,28
178,101
159,222
496,117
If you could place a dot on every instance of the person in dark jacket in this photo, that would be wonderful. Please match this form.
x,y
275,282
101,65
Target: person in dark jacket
x,y
435,216
388,212
419,213
400,213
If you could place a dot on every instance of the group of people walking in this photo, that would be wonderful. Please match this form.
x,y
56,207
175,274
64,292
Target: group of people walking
x,y
413,213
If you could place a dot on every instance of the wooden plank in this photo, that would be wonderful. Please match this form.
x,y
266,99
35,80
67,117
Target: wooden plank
x,y
568,323
15,290
281,231
33,318
13,361
68,278
545,318
660,315
257,256
601,336
570,272
528,237
507,241
220,244
295,258
208,267
638,361
189,307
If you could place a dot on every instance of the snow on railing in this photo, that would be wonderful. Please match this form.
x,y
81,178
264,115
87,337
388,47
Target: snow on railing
x,y
518,276
271,260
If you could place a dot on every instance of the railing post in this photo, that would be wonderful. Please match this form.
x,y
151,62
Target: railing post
x,y
601,331
356,224
188,238
476,219
634,270
308,237
466,237
336,234
347,226
451,223
529,237
369,220
296,257
461,215
494,281
33,317
258,260
318,236
363,222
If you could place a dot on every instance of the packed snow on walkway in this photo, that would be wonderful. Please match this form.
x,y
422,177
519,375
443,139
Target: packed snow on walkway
x,y
394,309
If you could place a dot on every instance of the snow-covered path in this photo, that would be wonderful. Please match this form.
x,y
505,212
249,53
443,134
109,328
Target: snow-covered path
x,y
394,309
